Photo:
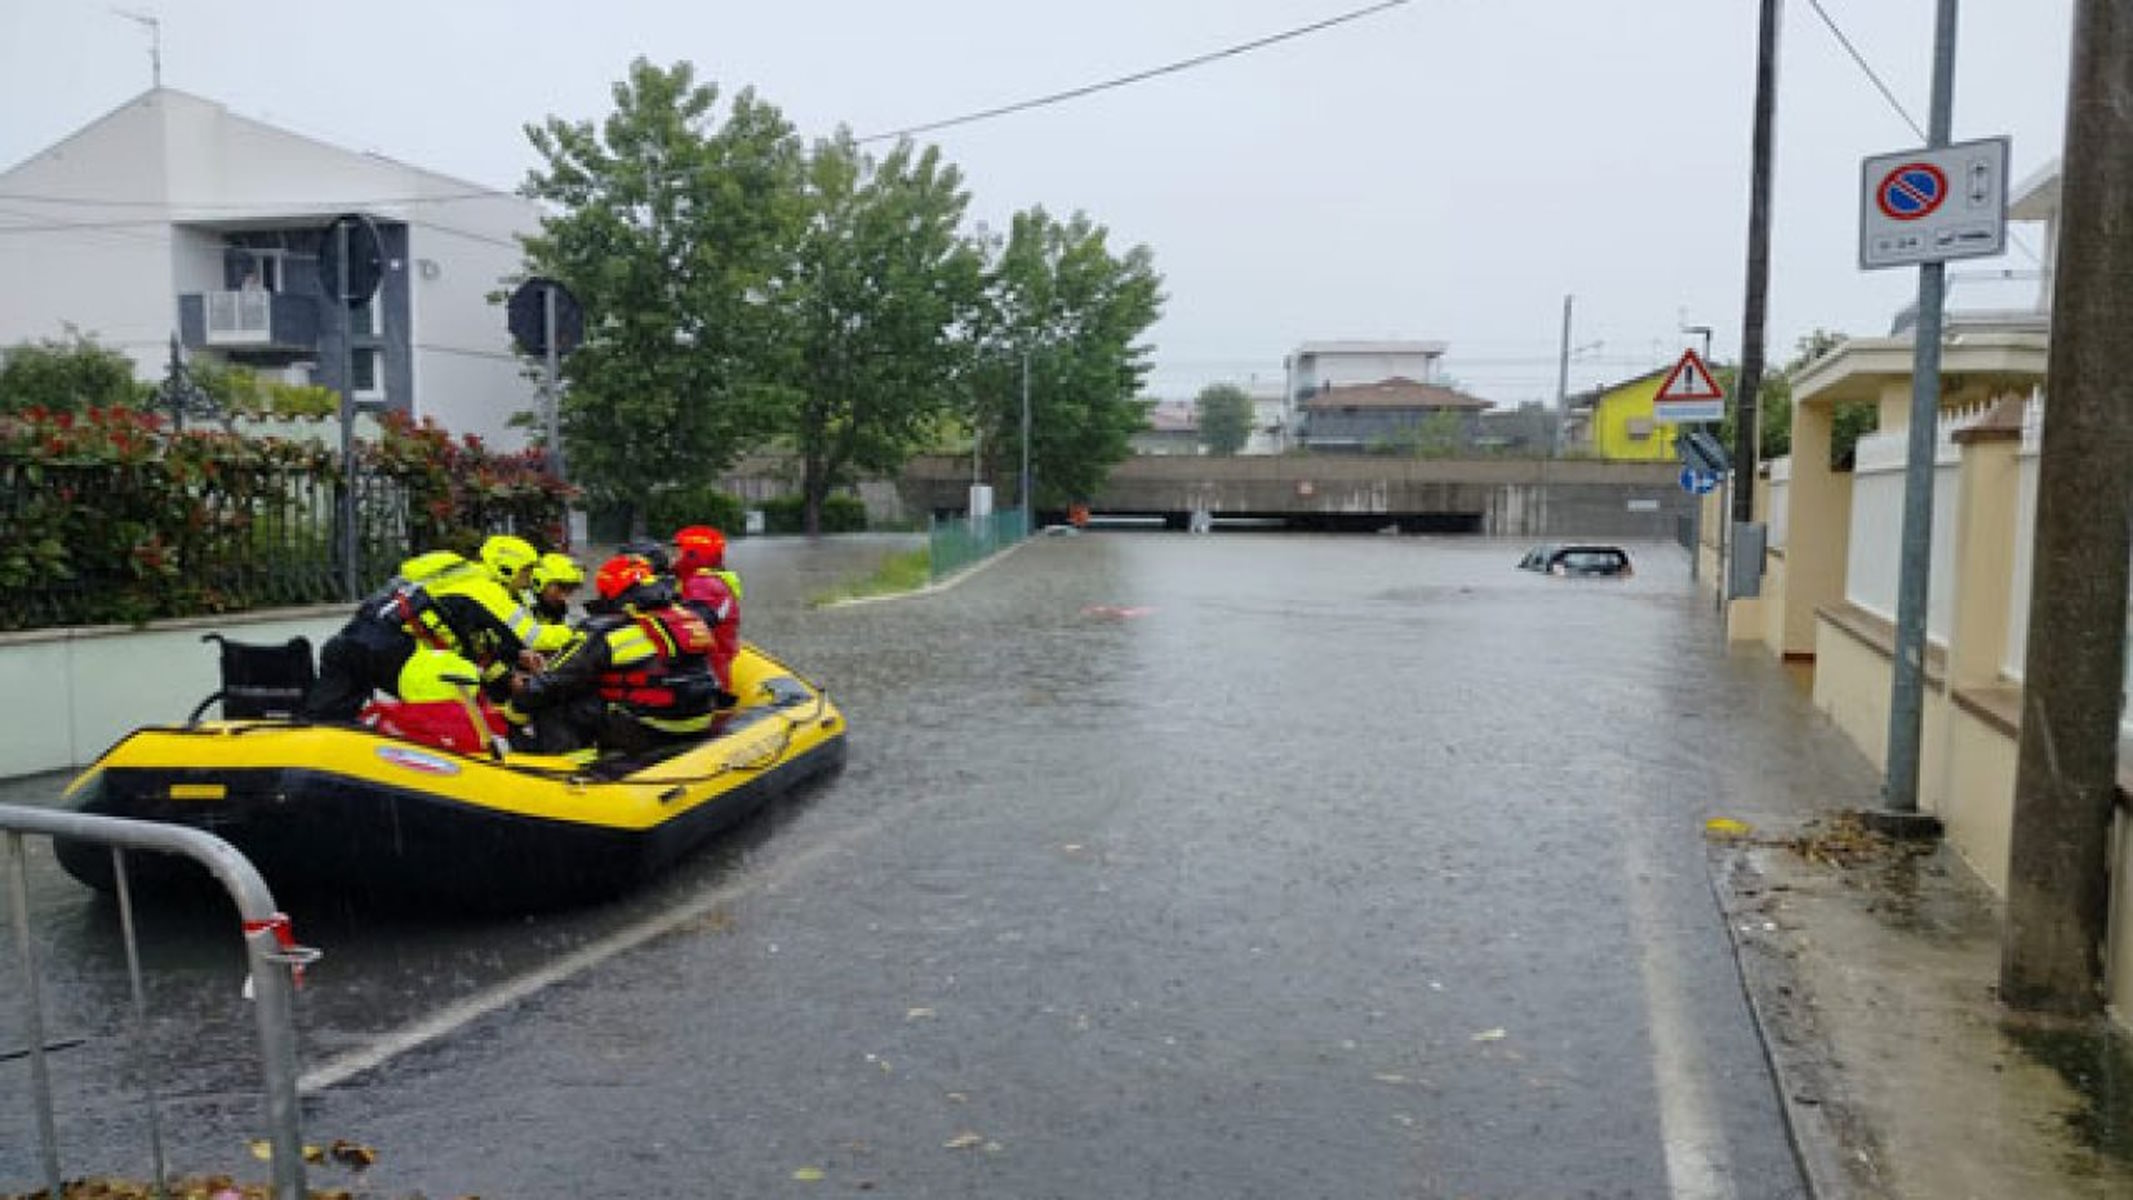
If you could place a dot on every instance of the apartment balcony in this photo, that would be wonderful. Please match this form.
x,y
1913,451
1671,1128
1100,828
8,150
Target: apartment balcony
x,y
251,319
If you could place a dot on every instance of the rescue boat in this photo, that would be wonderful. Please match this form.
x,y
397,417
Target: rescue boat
x,y
345,810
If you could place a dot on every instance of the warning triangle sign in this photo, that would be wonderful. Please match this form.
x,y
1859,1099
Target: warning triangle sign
x,y
1689,380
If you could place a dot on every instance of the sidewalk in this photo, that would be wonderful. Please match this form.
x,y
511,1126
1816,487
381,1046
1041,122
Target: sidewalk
x,y
1871,968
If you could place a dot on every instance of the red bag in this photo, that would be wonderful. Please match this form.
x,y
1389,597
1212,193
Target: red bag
x,y
439,724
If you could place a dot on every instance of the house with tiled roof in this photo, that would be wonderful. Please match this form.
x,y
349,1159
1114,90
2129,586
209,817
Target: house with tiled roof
x,y
1173,428
1390,414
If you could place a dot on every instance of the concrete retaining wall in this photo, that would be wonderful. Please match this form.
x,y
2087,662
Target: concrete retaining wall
x,y
70,693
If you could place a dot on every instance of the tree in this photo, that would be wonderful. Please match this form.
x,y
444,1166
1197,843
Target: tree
x,y
882,284
1774,405
673,228
1059,302
67,375
1225,414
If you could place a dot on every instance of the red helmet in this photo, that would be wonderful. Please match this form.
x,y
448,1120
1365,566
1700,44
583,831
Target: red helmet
x,y
619,574
699,548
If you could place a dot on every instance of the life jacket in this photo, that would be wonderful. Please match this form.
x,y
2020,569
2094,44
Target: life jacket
x,y
659,668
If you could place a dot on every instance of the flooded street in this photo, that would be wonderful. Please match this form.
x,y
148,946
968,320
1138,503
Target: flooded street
x,y
1243,865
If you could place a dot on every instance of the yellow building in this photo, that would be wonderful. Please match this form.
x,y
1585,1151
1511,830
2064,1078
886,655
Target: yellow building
x,y
1616,422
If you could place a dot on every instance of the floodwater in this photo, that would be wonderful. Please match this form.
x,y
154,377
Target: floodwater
x,y
1163,865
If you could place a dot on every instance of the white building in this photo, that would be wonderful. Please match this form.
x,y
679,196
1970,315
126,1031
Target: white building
x,y
173,215
1270,417
1314,367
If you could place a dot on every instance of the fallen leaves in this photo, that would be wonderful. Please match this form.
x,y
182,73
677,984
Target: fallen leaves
x,y
1843,840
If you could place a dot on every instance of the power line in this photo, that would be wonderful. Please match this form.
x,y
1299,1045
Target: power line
x,y
1138,76
1871,74
1874,76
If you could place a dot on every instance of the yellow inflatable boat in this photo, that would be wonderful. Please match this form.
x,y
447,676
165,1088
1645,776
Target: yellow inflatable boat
x,y
343,810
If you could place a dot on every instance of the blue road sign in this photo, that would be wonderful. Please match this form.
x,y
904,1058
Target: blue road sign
x,y
1698,483
1911,191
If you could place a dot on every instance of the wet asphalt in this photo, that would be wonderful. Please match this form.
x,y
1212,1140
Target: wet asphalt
x,y
1221,866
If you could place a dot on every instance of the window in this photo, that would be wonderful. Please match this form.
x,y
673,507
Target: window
x,y
367,378
368,318
261,271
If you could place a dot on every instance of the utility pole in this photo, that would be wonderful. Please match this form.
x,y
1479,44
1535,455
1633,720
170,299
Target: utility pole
x,y
1756,305
1696,511
1899,794
2058,882
1562,385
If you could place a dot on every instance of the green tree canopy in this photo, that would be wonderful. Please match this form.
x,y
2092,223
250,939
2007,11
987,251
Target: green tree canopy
x,y
1225,415
881,286
673,228
1773,404
1061,304
67,375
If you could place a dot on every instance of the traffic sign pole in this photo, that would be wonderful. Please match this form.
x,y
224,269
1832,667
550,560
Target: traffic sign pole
x,y
1914,565
351,572
555,395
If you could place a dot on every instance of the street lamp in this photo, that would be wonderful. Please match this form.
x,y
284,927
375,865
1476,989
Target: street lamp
x,y
1029,504
1705,330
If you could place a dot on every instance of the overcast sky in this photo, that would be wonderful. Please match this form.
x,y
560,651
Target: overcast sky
x,y
1448,169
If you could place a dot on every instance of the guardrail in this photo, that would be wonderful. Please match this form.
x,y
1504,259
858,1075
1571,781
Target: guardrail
x,y
275,960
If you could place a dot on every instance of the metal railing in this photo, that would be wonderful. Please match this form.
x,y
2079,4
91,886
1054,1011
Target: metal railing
x,y
275,961
235,318
958,542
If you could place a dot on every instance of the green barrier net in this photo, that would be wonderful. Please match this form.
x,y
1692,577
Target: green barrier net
x,y
959,542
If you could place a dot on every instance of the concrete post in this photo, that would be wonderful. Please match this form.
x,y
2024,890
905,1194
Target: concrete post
x,y
2058,885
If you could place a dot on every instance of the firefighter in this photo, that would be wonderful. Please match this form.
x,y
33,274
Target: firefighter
x,y
445,602
713,591
638,677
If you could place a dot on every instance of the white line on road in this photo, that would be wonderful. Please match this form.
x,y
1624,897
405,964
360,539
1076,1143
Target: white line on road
x,y
463,1012
1697,1167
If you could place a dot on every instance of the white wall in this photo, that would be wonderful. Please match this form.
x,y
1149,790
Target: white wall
x,y
98,692
2024,560
1875,560
1780,501
466,375
103,268
1318,368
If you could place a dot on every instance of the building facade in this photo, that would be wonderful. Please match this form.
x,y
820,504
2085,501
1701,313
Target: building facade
x,y
172,216
1390,415
1617,422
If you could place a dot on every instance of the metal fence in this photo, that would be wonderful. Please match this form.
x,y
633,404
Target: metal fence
x,y
955,543
273,956
104,543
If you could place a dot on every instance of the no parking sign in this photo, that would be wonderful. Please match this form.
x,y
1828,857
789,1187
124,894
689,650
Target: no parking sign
x,y
1921,206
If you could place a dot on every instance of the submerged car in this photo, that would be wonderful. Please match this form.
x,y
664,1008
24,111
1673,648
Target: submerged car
x,y
1577,560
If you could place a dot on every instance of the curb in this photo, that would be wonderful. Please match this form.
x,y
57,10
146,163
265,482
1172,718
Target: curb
x,y
932,589
1816,1145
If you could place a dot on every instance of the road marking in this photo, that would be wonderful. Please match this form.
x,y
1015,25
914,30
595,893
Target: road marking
x,y
460,1013
1697,1167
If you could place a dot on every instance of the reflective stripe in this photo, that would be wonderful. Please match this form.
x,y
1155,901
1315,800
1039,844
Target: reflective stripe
x,y
522,625
629,645
677,724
